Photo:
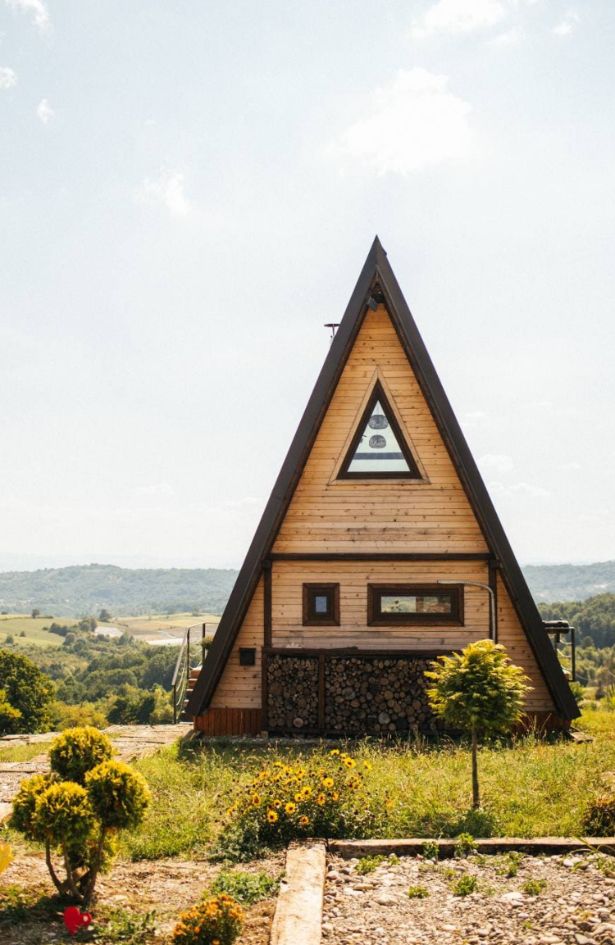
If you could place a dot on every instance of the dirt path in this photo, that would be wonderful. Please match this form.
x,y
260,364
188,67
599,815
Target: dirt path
x,y
131,742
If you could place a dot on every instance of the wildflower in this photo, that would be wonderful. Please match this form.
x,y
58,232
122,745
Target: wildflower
x,y
256,800
304,821
328,782
290,808
349,762
321,799
334,751
367,765
306,792
335,796
271,816
277,803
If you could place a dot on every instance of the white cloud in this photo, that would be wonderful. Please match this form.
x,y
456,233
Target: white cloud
x,y
459,16
567,25
44,111
411,123
36,8
8,78
159,490
496,462
166,190
508,38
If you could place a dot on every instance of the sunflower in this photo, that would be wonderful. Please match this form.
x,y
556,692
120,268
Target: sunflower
x,y
327,782
367,765
349,762
255,799
334,751
277,803
321,799
306,792
272,816
290,808
304,821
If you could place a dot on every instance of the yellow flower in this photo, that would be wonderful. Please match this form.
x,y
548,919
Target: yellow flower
x,y
306,791
231,811
349,762
256,800
290,808
367,765
272,816
334,751
328,782
277,804
304,821
299,796
335,796
321,799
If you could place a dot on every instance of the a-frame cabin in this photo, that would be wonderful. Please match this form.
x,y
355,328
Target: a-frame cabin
x,y
378,548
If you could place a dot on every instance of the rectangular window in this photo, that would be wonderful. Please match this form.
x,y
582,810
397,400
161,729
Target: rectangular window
x,y
247,656
321,605
413,604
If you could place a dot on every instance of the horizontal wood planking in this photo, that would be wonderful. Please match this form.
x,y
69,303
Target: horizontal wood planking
x,y
512,636
240,686
421,516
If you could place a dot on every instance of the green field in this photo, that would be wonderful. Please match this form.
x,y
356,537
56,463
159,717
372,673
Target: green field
x,y
29,630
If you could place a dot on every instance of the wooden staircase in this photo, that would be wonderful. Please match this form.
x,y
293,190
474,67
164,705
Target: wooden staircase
x,y
187,669
194,674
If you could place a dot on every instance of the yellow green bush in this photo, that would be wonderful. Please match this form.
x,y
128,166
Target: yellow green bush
x,y
599,816
216,921
320,796
119,795
77,751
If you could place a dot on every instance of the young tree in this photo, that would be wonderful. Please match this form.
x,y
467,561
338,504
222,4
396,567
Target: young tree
x,y
480,692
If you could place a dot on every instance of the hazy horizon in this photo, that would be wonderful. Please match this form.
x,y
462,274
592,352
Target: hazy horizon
x,y
188,192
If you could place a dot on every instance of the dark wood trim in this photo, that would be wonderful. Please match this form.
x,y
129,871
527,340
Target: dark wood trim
x,y
264,689
377,275
378,394
354,652
267,603
381,556
375,618
493,584
310,617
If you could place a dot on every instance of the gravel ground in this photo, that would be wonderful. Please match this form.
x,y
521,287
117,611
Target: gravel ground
x,y
574,905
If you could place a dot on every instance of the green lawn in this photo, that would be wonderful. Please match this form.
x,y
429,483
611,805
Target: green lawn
x,y
32,628
22,752
533,788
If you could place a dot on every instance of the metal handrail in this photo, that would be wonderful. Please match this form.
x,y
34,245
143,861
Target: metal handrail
x,y
181,674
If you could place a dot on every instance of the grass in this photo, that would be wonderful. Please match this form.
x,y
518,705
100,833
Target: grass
x,y
464,886
32,628
530,788
23,752
246,888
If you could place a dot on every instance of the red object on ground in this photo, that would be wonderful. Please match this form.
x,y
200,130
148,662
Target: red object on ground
x,y
74,919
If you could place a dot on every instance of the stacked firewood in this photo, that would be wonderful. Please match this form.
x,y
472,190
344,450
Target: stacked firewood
x,y
292,684
376,696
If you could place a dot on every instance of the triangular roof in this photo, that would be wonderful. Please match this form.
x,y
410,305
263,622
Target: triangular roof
x,y
377,276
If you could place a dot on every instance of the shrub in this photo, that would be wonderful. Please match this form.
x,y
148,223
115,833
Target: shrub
x,y
430,850
245,887
77,751
465,886
80,819
478,691
418,892
217,920
119,795
69,716
9,715
27,690
322,796
599,816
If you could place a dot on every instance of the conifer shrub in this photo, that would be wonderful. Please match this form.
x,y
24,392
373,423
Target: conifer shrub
x,y
79,819
215,921
77,751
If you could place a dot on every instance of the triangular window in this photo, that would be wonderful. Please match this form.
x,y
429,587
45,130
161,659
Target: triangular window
x,y
378,449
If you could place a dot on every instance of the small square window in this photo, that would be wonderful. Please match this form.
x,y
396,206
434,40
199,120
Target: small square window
x,y
247,656
321,605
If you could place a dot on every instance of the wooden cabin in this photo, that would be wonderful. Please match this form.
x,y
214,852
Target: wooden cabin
x,y
379,548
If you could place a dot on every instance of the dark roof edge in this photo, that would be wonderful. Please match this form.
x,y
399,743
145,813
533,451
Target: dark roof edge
x,y
285,484
378,269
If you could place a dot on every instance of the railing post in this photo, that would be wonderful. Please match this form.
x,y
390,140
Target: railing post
x,y
174,703
188,655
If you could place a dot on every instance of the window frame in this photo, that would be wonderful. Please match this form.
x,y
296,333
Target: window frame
x,y
310,617
414,473
375,617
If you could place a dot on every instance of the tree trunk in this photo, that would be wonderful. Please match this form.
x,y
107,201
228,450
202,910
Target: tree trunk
x,y
95,867
475,788
61,887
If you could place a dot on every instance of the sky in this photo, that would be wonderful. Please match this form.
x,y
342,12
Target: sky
x,y
188,191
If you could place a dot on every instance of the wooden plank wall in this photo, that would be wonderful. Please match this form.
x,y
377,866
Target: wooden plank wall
x,y
342,515
240,686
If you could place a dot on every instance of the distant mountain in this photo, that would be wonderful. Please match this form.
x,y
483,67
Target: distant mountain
x,y
556,582
85,589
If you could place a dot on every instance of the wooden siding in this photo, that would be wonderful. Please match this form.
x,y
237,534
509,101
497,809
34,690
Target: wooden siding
x,y
512,636
240,686
326,514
